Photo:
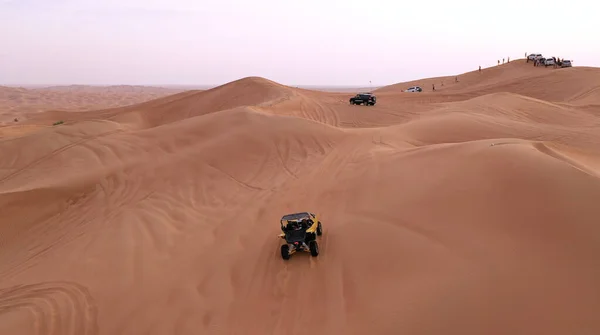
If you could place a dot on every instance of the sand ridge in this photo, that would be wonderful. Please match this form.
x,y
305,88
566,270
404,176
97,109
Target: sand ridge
x,y
472,210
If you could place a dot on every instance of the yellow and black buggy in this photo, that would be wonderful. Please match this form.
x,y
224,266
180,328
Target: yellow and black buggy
x,y
300,232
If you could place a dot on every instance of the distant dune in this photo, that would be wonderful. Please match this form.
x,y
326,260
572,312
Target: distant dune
x,y
469,210
21,102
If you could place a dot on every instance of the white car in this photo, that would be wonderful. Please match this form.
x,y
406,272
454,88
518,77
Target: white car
x,y
566,63
548,62
534,56
414,89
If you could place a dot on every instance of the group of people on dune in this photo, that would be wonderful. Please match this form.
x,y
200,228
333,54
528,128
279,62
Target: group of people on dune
x,y
507,60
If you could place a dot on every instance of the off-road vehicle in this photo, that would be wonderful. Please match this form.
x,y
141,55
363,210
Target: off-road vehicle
x,y
300,231
363,98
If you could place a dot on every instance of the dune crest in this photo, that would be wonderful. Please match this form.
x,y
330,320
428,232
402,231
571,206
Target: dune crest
x,y
472,210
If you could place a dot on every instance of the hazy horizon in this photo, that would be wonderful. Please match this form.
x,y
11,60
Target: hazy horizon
x,y
184,87
312,43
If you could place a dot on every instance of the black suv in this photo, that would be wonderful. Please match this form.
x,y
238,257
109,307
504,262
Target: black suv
x,y
363,98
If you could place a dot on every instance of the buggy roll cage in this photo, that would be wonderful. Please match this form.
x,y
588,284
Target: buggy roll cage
x,y
300,216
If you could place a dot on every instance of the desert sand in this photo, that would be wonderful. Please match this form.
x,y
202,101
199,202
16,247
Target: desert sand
x,y
470,210
18,102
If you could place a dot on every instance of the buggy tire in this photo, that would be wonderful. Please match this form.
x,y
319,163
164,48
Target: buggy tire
x,y
319,229
285,251
314,248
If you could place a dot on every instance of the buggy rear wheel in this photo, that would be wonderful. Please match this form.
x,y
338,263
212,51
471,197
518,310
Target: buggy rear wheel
x,y
314,248
319,229
285,251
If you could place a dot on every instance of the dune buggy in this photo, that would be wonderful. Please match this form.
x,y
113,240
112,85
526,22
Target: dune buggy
x,y
300,231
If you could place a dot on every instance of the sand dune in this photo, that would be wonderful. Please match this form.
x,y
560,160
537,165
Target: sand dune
x,y
21,103
472,210
519,77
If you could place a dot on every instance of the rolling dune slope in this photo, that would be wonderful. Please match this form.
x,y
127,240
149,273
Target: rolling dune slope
x,y
571,85
471,211
23,103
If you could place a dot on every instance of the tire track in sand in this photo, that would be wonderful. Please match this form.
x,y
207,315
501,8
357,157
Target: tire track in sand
x,y
313,109
56,152
78,315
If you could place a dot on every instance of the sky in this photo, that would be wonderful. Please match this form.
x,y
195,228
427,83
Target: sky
x,y
308,42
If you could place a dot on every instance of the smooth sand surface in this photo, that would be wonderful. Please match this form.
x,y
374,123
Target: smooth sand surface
x,y
470,210
19,102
